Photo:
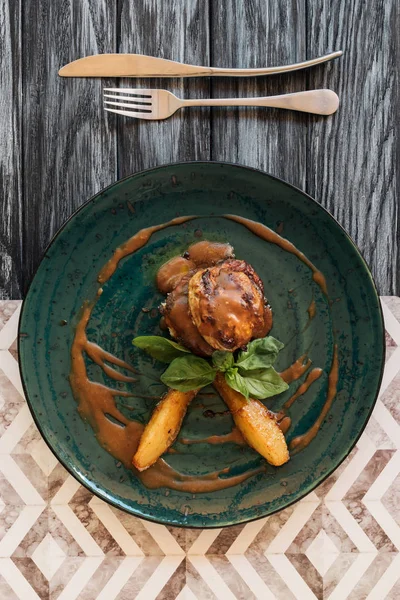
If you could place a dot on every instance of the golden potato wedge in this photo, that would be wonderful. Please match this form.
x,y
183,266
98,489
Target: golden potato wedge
x,y
256,424
162,429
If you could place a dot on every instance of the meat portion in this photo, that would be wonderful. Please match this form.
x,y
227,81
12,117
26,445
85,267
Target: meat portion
x,y
214,302
227,305
179,321
207,254
171,272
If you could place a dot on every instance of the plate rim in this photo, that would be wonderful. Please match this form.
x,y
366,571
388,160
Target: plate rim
x,y
164,521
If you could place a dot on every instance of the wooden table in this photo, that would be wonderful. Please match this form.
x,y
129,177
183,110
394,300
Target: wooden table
x,y
58,148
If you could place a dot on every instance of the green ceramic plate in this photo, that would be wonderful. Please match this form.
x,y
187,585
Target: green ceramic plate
x,y
67,277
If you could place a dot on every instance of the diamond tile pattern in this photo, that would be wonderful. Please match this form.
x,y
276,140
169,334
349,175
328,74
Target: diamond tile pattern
x,y
58,541
48,556
322,552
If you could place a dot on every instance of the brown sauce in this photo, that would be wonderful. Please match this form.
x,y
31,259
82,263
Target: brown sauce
x,y
162,475
311,377
134,243
312,310
284,423
296,370
267,234
233,437
120,436
301,441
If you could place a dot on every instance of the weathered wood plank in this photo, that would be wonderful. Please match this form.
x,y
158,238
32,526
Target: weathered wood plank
x,y
69,148
352,165
57,147
178,30
256,34
11,247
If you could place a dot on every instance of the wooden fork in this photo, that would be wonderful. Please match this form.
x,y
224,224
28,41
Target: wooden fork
x,y
161,104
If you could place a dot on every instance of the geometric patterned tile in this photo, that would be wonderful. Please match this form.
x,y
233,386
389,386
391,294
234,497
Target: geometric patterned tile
x,y
322,552
6,592
58,541
48,556
7,309
391,500
33,575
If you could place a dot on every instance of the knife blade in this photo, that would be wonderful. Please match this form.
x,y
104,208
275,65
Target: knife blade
x,y
140,65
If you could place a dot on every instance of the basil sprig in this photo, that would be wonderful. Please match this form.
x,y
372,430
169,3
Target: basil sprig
x,y
188,372
251,373
161,348
259,383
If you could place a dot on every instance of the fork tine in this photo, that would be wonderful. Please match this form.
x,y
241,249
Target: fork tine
x,y
139,107
130,113
135,91
129,99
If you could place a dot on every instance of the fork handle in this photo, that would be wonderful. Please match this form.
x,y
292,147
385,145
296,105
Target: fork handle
x,y
317,102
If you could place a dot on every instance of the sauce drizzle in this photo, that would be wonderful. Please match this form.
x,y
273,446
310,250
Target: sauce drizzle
x,y
312,310
234,437
120,436
267,234
301,441
297,369
311,377
134,243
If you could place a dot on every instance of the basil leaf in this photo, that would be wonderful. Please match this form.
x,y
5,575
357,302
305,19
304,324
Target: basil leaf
x,y
260,353
222,360
236,382
188,373
260,384
158,347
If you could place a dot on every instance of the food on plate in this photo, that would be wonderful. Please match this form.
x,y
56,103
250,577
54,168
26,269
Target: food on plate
x,y
256,424
171,273
216,309
179,321
206,254
163,427
220,323
220,306
227,305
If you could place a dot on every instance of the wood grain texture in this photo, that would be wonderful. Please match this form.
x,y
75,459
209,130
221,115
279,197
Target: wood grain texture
x,y
352,159
57,147
11,246
177,30
255,34
69,151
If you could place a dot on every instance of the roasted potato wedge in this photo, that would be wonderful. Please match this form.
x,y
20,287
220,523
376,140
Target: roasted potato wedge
x,y
256,424
162,429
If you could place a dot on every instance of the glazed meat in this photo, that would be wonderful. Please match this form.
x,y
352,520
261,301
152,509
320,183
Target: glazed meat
x,y
179,321
171,273
227,305
214,301
200,254
207,254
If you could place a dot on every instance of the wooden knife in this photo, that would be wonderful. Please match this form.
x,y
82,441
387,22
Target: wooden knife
x,y
139,65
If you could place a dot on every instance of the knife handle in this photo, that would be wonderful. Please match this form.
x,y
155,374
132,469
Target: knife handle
x,y
273,70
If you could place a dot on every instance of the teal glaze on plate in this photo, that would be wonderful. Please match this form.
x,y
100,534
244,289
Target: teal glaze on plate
x,y
67,277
